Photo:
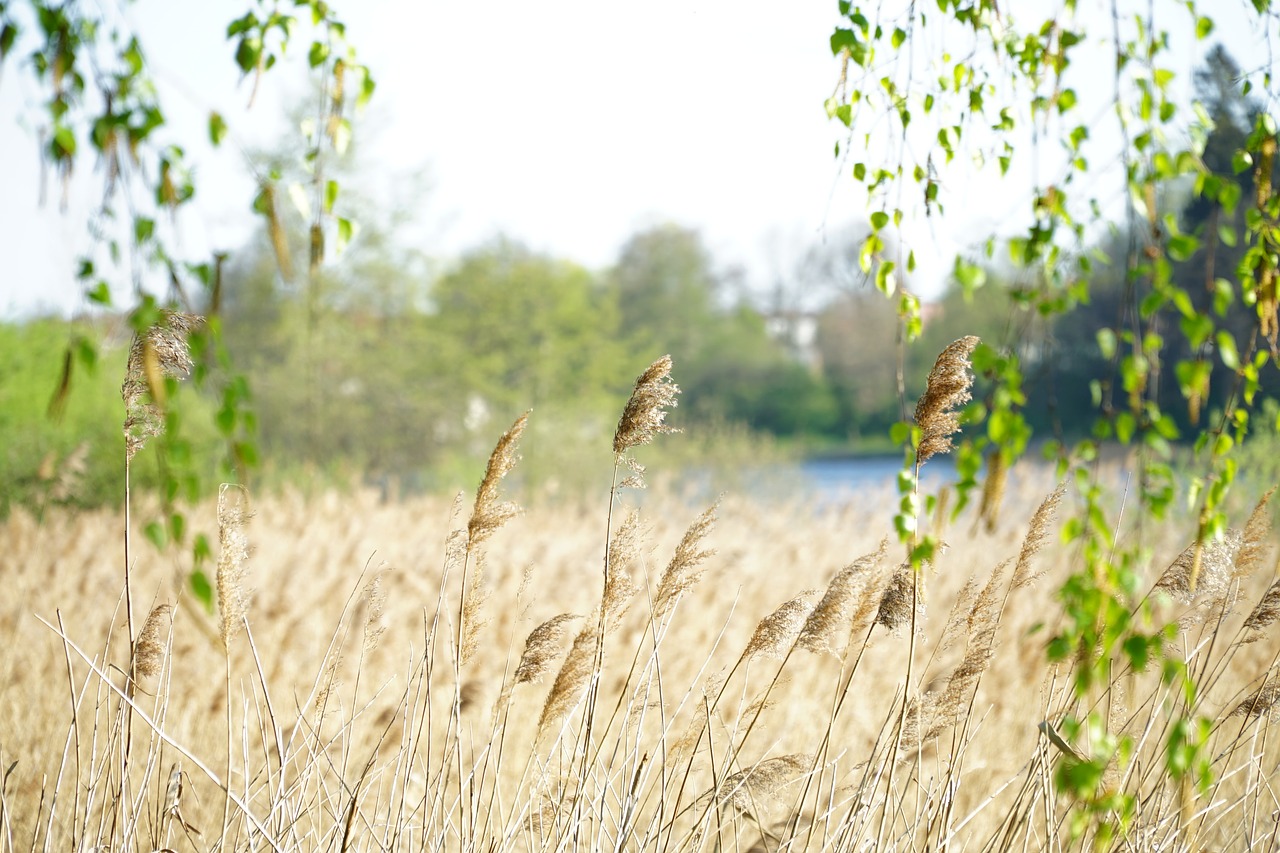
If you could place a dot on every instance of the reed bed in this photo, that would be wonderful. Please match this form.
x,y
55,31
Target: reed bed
x,y
599,675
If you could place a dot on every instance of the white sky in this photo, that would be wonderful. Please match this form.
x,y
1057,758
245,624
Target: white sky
x,y
568,124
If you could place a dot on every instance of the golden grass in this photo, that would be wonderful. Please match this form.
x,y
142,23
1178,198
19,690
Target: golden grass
x,y
742,711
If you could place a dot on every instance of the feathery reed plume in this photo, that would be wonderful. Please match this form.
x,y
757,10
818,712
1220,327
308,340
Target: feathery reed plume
x,y
895,604
688,742
233,551
374,626
993,491
1037,534
947,389
644,416
160,352
957,623
831,619
1216,558
744,789
1249,556
776,633
477,593
683,572
149,648
1261,702
489,513
572,677
625,550
541,648
1263,614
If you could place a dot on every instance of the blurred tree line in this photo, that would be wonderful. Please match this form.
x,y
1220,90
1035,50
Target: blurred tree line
x,y
385,366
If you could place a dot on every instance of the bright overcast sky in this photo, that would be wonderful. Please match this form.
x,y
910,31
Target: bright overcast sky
x,y
568,124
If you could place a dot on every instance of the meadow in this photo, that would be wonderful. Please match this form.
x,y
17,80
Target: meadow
x,y
748,694
612,673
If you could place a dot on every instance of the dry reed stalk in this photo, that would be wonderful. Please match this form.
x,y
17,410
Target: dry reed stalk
x,y
149,648
1037,535
947,389
683,572
832,620
644,416
233,544
161,352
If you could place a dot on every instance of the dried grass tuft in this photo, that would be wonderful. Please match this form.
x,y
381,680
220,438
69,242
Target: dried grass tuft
x,y
149,648
374,625
477,593
161,352
947,389
233,543
684,572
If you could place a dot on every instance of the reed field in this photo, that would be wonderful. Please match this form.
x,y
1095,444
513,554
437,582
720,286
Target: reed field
x,y
617,674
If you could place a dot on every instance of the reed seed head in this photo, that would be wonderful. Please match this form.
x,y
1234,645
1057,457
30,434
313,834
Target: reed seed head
x,y
541,648
1262,702
1037,535
149,648
489,513
947,389
830,622
161,352
1263,614
896,602
644,416
776,632
233,545
684,572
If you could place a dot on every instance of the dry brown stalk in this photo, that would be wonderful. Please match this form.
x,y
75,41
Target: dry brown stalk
x,y
683,572
149,648
644,416
832,619
233,513
161,352
947,389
